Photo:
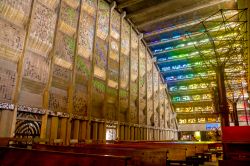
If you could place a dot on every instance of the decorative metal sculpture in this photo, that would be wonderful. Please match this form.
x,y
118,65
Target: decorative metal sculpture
x,y
226,34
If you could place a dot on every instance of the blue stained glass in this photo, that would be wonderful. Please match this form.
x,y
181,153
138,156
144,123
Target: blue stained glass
x,y
175,37
164,40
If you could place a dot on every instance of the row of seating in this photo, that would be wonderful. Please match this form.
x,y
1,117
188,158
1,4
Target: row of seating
x,y
176,152
22,157
184,153
139,153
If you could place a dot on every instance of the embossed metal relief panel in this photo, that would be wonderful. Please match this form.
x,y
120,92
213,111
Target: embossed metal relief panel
x,y
15,11
162,103
36,68
60,73
68,19
7,81
35,77
84,56
101,42
64,50
142,84
134,63
125,47
83,68
150,115
58,100
80,100
89,6
42,29
100,60
134,77
156,95
52,4
58,93
114,50
124,69
11,41
103,20
113,67
86,29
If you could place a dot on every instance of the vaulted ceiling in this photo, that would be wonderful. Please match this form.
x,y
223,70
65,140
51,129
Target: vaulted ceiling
x,y
157,19
164,24
168,20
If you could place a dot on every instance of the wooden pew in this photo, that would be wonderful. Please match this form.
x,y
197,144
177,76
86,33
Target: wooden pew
x,y
143,152
177,152
176,155
196,152
22,157
201,151
140,154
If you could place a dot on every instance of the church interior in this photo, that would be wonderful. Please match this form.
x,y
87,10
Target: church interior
x,y
124,82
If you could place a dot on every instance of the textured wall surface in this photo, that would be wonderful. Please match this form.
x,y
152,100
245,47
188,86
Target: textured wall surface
x,y
81,58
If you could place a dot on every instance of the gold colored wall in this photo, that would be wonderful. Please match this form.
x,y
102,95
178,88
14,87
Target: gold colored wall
x,y
72,69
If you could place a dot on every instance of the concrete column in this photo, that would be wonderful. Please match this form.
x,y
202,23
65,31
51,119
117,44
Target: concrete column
x,y
88,130
13,122
152,134
68,131
101,131
122,132
156,134
149,134
171,135
76,129
5,123
43,126
83,134
142,133
132,133
104,132
145,134
63,129
125,132
139,133
136,133
54,128
95,130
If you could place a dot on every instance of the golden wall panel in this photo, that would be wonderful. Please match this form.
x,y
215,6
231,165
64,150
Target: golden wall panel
x,y
103,60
